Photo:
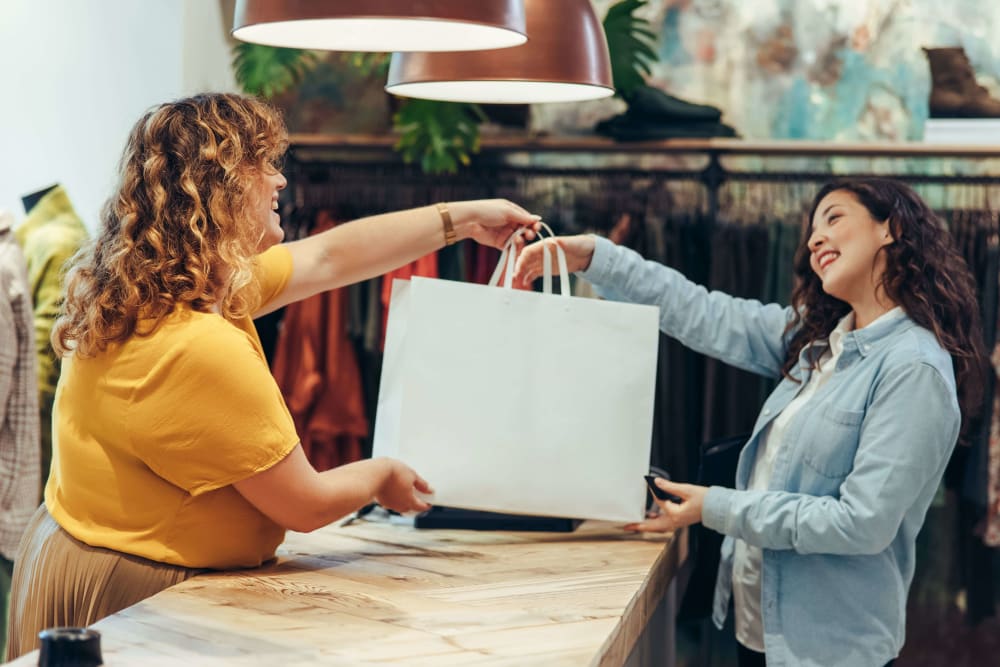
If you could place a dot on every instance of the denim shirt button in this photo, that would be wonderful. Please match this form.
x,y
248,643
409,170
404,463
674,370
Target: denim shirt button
x,y
767,412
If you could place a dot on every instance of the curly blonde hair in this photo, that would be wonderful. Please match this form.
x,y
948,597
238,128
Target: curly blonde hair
x,y
179,229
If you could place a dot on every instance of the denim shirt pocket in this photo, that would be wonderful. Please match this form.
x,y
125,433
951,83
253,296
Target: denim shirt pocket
x,y
831,449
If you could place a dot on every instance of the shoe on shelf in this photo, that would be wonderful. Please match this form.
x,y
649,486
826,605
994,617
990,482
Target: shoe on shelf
x,y
955,93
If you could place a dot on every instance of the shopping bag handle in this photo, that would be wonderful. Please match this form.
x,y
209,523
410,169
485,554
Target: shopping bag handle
x,y
508,258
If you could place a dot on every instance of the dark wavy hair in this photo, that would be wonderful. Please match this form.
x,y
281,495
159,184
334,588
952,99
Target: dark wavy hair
x,y
925,274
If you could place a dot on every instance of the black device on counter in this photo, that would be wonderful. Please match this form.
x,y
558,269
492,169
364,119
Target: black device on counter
x,y
454,518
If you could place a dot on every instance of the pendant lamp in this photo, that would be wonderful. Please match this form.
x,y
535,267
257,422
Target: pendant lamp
x,y
381,25
565,59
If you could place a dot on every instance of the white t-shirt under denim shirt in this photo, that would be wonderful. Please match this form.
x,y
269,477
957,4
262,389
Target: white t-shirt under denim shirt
x,y
747,558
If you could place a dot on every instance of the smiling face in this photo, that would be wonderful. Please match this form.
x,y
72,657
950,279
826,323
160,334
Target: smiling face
x,y
265,208
844,246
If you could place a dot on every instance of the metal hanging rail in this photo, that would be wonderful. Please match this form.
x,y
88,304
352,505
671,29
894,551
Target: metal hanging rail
x,y
508,153
545,144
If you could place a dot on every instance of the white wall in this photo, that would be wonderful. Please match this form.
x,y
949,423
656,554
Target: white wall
x,y
75,77
206,53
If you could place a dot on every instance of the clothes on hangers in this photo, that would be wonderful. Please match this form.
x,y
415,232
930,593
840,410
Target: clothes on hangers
x,y
965,562
452,262
19,453
480,260
739,267
680,376
316,367
991,529
50,235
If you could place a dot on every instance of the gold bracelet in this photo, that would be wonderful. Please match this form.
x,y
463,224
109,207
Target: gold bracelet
x,y
449,231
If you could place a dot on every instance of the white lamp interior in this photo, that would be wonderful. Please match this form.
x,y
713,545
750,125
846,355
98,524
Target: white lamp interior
x,y
501,92
380,35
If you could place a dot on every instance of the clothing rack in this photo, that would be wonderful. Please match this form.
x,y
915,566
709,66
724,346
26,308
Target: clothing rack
x,y
709,162
690,201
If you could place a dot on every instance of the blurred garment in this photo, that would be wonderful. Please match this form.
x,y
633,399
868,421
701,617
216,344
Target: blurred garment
x,y
991,534
19,468
19,456
50,235
316,367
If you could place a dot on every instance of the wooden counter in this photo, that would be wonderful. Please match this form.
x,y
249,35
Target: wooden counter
x,y
375,593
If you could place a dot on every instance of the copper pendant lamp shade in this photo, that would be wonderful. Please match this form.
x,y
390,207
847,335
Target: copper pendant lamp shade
x,y
381,25
565,59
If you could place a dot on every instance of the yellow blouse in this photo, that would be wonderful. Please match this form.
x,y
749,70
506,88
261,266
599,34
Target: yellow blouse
x,y
151,434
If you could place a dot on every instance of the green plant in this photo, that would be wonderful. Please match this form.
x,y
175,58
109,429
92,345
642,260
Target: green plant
x,y
440,135
631,43
375,65
267,70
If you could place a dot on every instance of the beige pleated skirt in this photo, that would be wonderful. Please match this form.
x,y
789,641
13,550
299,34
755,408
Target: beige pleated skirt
x,y
59,581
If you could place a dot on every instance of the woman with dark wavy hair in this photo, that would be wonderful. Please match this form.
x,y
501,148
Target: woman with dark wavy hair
x,y
882,365
174,451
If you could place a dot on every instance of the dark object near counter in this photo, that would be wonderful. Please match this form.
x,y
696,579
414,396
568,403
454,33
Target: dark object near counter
x,y
652,114
70,647
454,518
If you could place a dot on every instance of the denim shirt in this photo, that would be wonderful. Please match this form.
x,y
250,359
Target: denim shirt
x,y
861,463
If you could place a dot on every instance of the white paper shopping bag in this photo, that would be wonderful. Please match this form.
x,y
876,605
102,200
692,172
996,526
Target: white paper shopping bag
x,y
520,402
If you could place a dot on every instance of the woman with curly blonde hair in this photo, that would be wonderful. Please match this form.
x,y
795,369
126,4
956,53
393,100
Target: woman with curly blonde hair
x,y
881,361
174,451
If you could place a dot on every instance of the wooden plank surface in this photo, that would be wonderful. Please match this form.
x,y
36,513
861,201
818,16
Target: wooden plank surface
x,y
377,593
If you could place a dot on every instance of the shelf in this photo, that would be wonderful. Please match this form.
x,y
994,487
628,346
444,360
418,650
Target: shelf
x,y
593,144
